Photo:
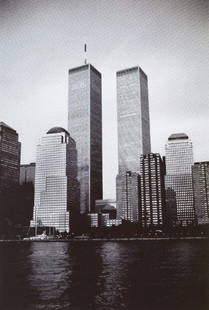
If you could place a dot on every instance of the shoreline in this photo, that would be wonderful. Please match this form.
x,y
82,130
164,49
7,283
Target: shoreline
x,y
111,239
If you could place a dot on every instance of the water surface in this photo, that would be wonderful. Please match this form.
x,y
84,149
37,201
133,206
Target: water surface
x,y
142,275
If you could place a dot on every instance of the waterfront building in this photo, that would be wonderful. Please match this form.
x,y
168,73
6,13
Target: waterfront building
x,y
9,157
55,180
113,222
179,161
133,118
85,125
93,219
106,221
152,190
127,196
10,149
104,218
200,175
27,173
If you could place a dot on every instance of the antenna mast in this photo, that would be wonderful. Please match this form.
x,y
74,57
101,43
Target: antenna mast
x,y
85,50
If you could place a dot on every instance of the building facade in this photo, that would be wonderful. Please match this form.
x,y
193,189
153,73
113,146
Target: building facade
x,y
133,138
10,149
127,196
152,190
55,180
27,173
26,192
179,161
85,125
133,118
200,175
170,214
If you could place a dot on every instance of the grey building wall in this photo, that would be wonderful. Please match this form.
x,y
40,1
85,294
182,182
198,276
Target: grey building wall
x,y
27,173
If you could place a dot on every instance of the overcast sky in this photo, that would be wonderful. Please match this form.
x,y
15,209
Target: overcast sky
x,y
41,40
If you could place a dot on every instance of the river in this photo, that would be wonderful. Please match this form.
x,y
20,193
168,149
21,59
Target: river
x,y
113,275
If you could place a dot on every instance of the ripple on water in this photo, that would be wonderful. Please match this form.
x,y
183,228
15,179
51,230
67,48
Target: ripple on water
x,y
105,275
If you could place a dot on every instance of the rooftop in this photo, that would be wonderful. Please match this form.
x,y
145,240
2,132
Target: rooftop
x,y
84,67
177,136
5,125
57,130
128,70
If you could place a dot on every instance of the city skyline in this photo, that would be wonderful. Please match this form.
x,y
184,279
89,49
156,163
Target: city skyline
x,y
34,82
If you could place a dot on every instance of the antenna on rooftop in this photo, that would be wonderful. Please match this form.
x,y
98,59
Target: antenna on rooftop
x,y
85,51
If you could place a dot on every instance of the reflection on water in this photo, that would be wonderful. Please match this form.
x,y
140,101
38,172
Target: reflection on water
x,y
105,275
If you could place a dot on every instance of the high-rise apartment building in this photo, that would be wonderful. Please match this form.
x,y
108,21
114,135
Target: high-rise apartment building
x,y
85,126
9,158
152,190
55,180
179,161
128,202
133,118
27,173
200,174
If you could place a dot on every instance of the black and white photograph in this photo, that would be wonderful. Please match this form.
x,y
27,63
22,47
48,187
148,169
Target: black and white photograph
x,y
104,155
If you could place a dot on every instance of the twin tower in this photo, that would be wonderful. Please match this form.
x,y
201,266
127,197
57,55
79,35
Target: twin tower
x,y
85,126
71,164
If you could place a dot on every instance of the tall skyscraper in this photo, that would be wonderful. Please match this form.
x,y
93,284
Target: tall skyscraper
x,y
128,202
200,174
179,161
55,180
152,190
133,138
85,125
9,157
133,118
9,177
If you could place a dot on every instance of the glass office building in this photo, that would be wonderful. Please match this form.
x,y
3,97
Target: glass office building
x,y
133,138
152,190
128,186
85,125
55,180
200,174
9,158
133,118
179,161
